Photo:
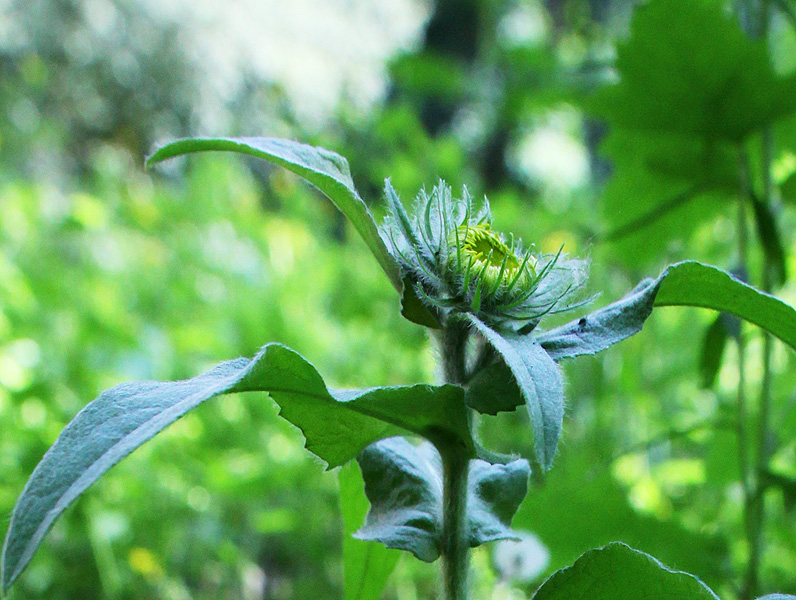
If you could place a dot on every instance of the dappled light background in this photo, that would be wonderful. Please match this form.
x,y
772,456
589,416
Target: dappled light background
x,y
110,273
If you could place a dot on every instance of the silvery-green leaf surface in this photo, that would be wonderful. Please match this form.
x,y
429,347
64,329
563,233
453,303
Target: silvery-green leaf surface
x,y
326,170
538,379
404,485
602,328
688,283
337,425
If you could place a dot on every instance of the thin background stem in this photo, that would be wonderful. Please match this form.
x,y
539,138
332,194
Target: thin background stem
x,y
757,517
755,501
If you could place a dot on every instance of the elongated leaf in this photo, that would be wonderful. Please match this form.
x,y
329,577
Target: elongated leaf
x,y
617,571
602,328
777,597
691,283
326,170
688,283
538,379
366,565
404,485
336,424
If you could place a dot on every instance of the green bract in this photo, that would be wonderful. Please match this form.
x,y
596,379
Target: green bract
x,y
456,263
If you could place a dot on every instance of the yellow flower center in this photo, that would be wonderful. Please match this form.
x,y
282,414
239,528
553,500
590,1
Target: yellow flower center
x,y
489,257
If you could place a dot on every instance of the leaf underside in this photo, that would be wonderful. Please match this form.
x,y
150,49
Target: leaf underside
x,y
539,380
404,486
326,170
337,425
687,283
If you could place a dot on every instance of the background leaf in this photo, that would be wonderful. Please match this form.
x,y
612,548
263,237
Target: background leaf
x,y
366,565
326,170
618,571
709,79
126,416
712,351
768,234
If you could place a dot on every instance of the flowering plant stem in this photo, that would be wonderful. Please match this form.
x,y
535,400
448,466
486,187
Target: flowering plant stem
x,y
455,546
455,470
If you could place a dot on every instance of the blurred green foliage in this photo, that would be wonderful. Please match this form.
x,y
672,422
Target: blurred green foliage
x,y
110,274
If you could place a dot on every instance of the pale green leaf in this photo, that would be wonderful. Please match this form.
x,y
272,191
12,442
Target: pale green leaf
x,y
404,485
691,283
326,170
602,328
366,565
337,425
539,380
688,283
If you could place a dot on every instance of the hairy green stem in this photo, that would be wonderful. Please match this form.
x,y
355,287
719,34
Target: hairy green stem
x,y
455,470
453,342
455,544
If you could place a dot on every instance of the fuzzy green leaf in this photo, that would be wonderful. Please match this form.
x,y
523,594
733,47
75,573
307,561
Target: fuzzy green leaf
x,y
617,571
687,283
366,565
539,380
495,492
602,328
691,283
337,426
493,390
404,485
413,309
326,170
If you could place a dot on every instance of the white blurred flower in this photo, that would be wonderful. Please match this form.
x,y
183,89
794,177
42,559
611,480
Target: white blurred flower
x,y
523,560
